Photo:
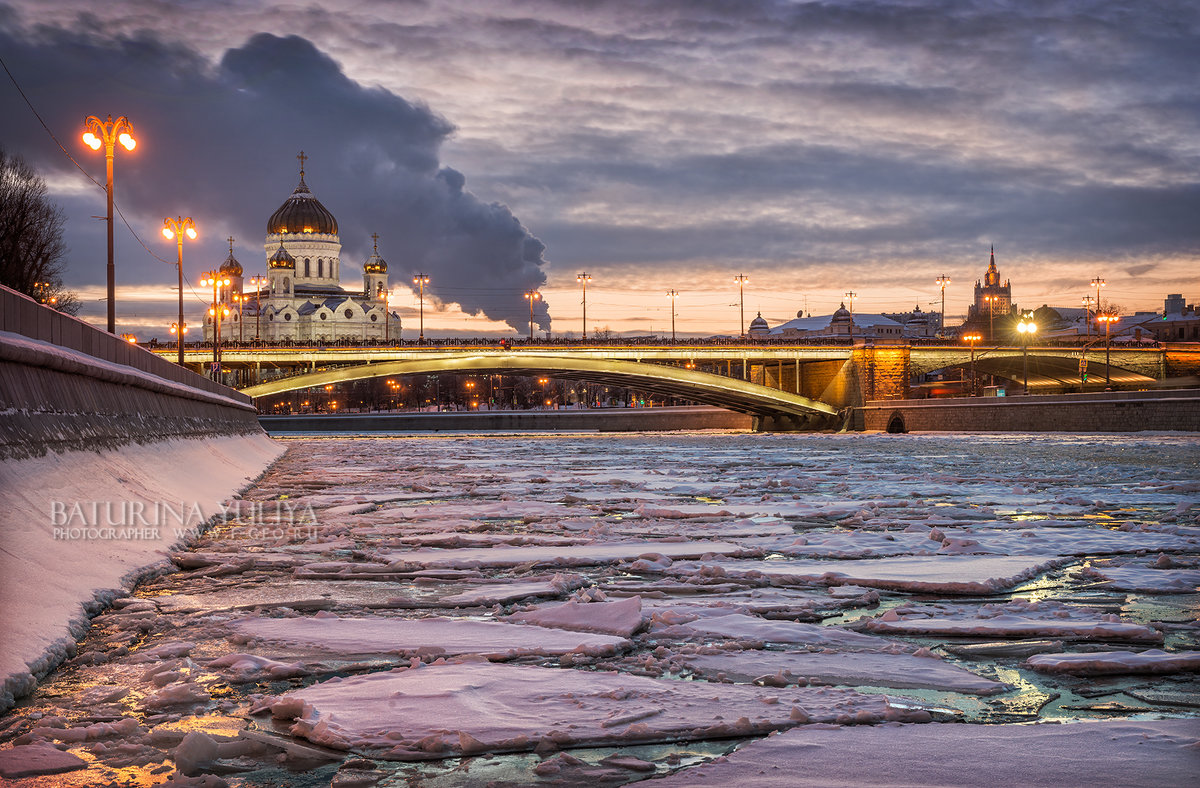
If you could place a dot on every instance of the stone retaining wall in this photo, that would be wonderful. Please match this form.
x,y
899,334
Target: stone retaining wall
x,y
1125,411
65,385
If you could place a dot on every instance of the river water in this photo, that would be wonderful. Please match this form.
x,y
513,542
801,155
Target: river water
x,y
384,610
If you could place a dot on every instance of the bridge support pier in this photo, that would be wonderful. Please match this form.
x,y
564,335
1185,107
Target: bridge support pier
x,y
786,423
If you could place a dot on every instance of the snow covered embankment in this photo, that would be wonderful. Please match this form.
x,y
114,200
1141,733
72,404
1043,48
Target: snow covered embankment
x,y
76,526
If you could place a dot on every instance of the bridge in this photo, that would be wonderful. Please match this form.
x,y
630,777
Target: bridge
x,y
782,384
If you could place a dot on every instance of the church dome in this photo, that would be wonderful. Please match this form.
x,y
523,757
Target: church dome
x,y
281,259
302,213
842,315
231,267
759,323
375,264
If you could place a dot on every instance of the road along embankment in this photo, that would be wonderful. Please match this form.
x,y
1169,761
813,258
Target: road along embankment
x,y
109,458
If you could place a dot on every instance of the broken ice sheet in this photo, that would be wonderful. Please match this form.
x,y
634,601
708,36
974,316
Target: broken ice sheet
x,y
1016,619
738,626
1113,662
925,574
547,555
362,637
448,710
1148,754
902,671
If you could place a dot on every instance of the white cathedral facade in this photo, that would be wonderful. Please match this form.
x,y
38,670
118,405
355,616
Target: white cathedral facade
x,y
303,299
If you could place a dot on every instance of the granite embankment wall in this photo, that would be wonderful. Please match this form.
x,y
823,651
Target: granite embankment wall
x,y
602,420
65,385
1116,411
109,459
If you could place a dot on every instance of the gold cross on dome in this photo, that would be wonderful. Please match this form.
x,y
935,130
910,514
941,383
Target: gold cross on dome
x,y
375,238
302,159
230,239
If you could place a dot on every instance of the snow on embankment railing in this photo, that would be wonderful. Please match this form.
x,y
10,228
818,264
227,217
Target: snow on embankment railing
x,y
67,385
109,458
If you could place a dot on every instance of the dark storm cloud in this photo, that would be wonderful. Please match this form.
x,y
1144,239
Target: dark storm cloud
x,y
218,142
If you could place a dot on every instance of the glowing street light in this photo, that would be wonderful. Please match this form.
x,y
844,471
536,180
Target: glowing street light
x,y
741,280
1087,302
942,280
420,280
258,283
672,294
108,133
175,229
991,302
972,339
214,279
531,296
1107,320
850,296
583,279
1027,328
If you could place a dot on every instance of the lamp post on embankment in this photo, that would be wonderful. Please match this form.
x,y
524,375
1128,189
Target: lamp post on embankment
x,y
1026,328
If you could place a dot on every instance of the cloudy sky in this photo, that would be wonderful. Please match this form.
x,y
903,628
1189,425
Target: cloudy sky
x,y
817,147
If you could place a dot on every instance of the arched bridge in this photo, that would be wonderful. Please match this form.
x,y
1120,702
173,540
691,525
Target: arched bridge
x,y
776,408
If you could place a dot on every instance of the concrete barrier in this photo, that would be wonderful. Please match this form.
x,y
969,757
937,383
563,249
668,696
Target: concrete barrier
x,y
110,457
65,385
1115,411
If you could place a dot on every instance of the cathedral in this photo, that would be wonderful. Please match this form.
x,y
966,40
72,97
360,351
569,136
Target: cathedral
x,y
301,297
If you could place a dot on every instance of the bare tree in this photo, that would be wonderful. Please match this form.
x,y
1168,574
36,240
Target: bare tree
x,y
32,253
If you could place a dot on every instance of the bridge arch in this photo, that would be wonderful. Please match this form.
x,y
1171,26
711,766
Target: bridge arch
x,y
736,395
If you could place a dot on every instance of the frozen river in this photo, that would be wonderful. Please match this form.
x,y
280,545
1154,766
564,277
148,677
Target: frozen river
x,y
716,609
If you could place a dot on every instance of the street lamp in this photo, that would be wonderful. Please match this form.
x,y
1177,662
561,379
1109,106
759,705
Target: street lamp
x,y
544,381
214,278
107,133
176,229
1087,302
1027,328
850,297
175,330
531,296
420,280
1107,320
942,280
741,280
583,279
258,283
1098,283
991,302
672,294
972,338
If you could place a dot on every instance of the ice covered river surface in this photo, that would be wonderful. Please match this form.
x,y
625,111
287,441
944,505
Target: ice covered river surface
x,y
696,609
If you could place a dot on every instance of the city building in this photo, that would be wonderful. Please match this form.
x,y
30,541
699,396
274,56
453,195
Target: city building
x,y
993,301
1179,321
917,323
840,325
303,298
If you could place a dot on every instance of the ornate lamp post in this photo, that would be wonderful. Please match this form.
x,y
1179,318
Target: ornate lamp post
x,y
1087,302
1026,328
531,296
175,329
108,133
175,229
741,280
672,294
420,280
972,338
1098,283
1107,320
258,283
942,280
583,279
991,302
850,296
214,278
